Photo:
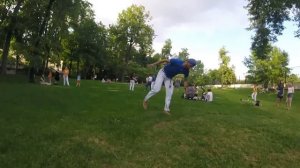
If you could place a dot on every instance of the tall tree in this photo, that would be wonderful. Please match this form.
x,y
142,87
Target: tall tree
x,y
267,19
226,73
9,34
133,34
269,70
166,50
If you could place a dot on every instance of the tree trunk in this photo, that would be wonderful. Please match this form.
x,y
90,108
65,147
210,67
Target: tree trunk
x,y
70,67
42,28
17,62
8,36
77,67
44,22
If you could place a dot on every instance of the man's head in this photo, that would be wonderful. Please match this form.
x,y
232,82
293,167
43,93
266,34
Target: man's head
x,y
190,63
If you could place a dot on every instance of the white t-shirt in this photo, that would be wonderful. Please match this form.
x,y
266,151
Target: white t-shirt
x,y
290,89
209,96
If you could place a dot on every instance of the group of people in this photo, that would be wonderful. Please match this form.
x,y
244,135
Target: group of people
x,y
191,93
176,66
289,95
280,94
65,74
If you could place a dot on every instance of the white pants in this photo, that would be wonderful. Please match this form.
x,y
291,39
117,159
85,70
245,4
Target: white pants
x,y
161,77
131,85
254,94
66,80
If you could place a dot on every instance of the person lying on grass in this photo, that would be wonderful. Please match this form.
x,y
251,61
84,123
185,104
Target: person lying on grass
x,y
172,68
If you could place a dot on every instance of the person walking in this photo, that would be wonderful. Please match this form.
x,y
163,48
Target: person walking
x,y
289,98
66,76
78,80
173,67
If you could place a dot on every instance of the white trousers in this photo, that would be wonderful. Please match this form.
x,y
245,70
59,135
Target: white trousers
x,y
131,85
254,94
66,80
160,79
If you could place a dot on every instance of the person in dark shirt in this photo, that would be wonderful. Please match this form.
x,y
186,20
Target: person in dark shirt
x,y
280,93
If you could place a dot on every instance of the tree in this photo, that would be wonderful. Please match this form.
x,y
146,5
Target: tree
x,y
266,20
183,54
196,76
12,21
226,73
268,70
213,77
166,50
272,14
132,36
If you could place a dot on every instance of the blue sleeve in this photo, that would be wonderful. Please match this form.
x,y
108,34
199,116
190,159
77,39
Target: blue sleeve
x,y
175,61
186,74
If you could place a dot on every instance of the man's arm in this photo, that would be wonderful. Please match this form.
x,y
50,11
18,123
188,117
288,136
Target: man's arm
x,y
158,62
185,83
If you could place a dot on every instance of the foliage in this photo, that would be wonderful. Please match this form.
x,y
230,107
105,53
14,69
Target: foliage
x,y
183,54
166,50
196,75
267,19
226,73
131,38
272,69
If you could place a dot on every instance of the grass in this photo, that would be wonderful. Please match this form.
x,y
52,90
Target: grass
x,y
104,125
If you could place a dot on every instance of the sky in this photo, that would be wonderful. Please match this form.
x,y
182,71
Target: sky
x,y
203,27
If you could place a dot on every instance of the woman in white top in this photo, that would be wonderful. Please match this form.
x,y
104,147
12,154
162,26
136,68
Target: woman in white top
x,y
289,98
209,96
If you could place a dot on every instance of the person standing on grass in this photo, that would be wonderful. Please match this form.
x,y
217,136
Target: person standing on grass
x,y
289,98
165,75
66,76
78,80
132,80
254,92
50,76
56,76
280,92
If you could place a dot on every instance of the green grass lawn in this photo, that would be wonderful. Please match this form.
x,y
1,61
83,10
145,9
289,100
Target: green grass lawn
x,y
104,125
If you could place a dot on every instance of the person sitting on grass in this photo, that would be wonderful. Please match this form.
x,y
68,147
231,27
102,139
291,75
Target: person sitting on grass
x,y
43,81
209,96
190,92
